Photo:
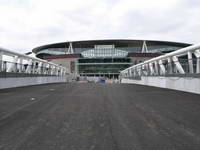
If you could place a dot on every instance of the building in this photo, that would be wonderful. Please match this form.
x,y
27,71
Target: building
x,y
103,57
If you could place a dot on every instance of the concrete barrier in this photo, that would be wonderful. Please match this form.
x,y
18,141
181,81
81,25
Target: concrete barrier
x,y
26,81
188,84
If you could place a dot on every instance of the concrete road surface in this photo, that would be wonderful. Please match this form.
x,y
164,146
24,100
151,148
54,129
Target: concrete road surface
x,y
86,116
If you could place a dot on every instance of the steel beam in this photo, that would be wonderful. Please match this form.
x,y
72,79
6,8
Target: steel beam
x,y
178,65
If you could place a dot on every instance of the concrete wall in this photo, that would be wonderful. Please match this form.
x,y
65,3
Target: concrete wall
x,y
26,81
187,84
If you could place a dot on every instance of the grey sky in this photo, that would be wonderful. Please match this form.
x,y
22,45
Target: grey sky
x,y
26,24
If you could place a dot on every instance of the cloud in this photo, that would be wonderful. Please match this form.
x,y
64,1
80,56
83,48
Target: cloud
x,y
26,24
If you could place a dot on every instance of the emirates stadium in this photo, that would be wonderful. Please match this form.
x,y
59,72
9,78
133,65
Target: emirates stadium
x,y
103,57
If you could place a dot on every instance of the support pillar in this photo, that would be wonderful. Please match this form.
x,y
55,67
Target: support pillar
x,y
20,65
178,65
169,68
151,68
197,54
156,68
190,62
162,68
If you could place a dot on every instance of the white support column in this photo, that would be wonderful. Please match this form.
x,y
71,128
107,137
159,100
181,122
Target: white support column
x,y
190,62
129,73
44,68
20,65
70,49
140,70
147,69
54,70
61,71
197,54
33,67
50,69
151,69
178,65
156,68
144,47
29,67
134,72
162,68
36,67
40,64
170,69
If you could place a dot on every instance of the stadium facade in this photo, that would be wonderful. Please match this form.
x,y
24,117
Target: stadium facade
x,y
103,57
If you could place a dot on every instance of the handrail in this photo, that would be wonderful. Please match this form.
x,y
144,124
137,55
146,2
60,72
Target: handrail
x,y
32,61
155,66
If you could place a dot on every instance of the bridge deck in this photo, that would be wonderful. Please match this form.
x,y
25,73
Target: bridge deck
x,y
98,116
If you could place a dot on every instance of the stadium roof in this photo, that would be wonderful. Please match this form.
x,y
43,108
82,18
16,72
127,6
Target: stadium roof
x,y
116,42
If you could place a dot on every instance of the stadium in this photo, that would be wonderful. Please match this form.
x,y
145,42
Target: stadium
x,y
103,57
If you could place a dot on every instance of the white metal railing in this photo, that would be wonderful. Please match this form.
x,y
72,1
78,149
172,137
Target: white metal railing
x,y
182,61
21,63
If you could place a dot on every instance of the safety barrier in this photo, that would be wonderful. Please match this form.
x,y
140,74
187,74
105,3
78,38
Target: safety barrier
x,y
23,64
180,62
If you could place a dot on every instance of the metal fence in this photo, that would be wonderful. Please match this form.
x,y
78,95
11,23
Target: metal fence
x,y
23,65
183,62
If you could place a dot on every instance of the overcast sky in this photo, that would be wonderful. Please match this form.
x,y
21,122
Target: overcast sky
x,y
26,24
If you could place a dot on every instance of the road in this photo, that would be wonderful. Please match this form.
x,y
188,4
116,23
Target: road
x,y
87,116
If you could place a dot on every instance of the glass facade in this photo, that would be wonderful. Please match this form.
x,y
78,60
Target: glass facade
x,y
102,66
95,53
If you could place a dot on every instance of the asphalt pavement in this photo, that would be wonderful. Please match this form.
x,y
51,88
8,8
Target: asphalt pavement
x,y
88,116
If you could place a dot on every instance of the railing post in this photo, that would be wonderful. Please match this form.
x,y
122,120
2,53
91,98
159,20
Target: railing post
x,y
169,67
45,68
197,54
53,70
190,62
156,68
130,73
162,68
39,70
49,70
20,65
147,69
33,67
29,66
134,72
151,69
178,65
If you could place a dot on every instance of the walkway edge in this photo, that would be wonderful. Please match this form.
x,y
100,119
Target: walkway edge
x,y
187,84
26,81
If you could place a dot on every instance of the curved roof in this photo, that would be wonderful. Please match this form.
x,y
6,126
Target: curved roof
x,y
116,42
